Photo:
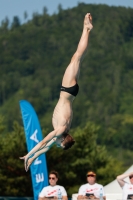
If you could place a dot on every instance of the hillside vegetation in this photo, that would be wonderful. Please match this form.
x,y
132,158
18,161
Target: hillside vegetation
x,y
33,58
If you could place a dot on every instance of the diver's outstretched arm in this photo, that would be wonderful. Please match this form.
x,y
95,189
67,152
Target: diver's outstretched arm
x,y
48,138
28,161
43,143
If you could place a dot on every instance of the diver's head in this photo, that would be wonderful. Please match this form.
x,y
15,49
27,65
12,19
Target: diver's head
x,y
67,142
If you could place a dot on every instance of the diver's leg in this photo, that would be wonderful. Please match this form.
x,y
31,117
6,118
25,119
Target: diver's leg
x,y
72,71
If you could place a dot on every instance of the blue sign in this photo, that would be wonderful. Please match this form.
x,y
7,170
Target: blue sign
x,y
33,137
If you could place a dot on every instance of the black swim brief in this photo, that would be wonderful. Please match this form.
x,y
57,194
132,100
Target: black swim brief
x,y
71,90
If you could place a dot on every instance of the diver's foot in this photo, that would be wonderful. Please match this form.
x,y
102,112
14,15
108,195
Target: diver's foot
x,y
88,21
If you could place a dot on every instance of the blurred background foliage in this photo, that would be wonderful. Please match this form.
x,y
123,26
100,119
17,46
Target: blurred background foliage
x,y
33,58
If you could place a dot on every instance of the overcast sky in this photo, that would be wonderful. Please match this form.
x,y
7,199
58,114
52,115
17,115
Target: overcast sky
x,y
11,8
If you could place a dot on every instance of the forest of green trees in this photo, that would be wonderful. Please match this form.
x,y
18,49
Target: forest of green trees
x,y
33,58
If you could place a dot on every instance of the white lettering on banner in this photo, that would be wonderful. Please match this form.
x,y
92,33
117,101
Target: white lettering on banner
x,y
37,161
39,178
34,137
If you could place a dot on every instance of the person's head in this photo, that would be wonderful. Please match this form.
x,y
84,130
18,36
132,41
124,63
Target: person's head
x,y
53,178
67,142
131,178
91,177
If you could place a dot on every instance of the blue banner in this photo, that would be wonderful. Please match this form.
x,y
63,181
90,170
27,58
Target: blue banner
x,y
33,135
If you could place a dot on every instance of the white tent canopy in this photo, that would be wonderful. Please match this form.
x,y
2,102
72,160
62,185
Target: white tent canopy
x,y
112,190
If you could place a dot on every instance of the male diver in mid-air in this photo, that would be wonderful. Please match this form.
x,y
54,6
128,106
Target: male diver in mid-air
x,y
62,115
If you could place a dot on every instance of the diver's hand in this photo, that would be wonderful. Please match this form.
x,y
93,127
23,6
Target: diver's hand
x,y
26,164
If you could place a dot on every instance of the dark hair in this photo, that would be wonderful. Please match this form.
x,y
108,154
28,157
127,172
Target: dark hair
x,y
131,176
68,141
55,173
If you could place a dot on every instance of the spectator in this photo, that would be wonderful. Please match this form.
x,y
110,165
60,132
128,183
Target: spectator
x,y
91,190
53,191
127,188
